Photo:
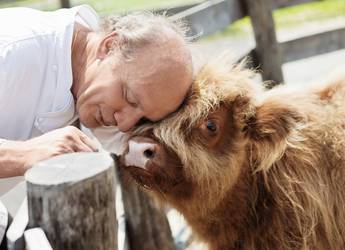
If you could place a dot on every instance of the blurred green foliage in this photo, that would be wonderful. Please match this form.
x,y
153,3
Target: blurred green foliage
x,y
101,6
284,18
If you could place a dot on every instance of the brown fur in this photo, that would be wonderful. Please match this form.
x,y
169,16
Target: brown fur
x,y
271,177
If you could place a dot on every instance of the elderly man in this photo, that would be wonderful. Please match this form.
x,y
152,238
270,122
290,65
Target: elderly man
x,y
58,66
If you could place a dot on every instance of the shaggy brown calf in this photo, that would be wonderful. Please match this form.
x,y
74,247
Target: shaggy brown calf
x,y
248,168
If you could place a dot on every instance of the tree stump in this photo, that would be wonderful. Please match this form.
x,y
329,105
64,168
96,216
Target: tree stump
x,y
72,198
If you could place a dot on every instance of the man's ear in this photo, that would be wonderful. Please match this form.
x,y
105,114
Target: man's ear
x,y
107,45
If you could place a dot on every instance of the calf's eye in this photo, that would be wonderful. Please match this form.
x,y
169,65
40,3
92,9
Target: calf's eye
x,y
211,126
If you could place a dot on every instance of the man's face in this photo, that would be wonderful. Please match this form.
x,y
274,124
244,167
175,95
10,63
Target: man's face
x,y
119,92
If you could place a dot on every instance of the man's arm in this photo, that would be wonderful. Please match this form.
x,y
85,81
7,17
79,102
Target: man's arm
x,y
18,156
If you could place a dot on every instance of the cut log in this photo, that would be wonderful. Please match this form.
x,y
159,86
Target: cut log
x,y
72,198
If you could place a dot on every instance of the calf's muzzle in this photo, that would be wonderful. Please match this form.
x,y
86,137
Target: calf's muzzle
x,y
140,151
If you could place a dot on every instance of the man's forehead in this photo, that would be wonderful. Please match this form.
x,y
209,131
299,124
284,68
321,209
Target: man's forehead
x,y
150,69
161,53
159,81
158,100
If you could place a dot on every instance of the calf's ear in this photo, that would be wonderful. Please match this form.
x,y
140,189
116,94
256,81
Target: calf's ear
x,y
273,121
269,129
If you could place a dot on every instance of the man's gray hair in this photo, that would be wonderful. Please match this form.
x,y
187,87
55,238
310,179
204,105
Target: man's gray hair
x,y
136,29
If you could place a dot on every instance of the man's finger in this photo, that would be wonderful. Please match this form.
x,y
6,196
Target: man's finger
x,y
81,148
90,143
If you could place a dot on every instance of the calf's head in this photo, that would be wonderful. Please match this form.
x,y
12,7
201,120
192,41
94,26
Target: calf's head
x,y
194,157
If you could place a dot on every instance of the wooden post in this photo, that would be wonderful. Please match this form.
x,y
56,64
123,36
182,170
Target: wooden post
x,y
72,198
267,48
65,4
147,225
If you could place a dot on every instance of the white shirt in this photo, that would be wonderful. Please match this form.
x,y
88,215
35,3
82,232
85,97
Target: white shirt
x,y
36,72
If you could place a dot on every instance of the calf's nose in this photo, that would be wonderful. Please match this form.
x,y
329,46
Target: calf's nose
x,y
140,151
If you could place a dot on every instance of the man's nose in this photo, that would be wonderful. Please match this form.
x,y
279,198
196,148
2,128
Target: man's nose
x,y
126,121
140,151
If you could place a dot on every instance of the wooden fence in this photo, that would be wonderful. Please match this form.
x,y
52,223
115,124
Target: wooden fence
x,y
72,206
210,16
269,55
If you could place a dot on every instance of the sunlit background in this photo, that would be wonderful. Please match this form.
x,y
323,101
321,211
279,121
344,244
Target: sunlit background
x,y
322,10
101,6
291,22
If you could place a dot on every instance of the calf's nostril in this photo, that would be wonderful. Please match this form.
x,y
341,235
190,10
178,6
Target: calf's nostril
x,y
148,153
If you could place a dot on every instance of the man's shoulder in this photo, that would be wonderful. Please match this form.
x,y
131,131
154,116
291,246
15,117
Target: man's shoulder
x,y
26,28
21,23
17,54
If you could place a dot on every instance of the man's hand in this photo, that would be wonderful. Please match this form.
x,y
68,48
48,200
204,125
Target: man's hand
x,y
18,156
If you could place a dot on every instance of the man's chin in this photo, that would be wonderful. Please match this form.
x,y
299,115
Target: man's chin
x,y
90,124
123,129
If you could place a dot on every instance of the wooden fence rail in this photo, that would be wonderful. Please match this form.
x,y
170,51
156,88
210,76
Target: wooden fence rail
x,y
211,16
214,15
314,44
